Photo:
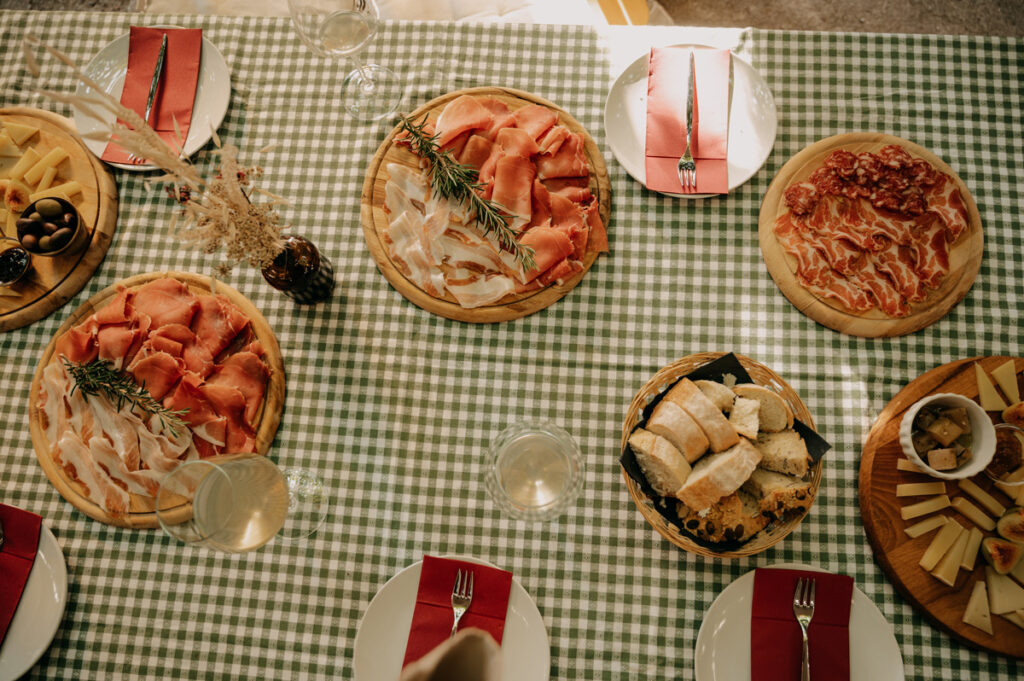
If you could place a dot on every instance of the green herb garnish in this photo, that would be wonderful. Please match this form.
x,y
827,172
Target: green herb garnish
x,y
457,182
99,377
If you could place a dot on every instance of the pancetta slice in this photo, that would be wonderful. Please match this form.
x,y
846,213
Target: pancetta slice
x,y
77,461
145,482
475,290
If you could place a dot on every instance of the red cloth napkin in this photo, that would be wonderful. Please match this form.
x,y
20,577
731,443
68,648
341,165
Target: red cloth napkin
x,y
177,90
432,617
21,541
776,643
666,118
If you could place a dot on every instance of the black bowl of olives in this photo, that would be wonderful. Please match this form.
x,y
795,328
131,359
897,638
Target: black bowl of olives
x,y
50,227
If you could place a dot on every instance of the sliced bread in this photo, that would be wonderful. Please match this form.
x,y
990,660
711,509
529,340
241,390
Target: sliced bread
x,y
744,417
717,475
775,414
736,517
716,427
720,396
675,425
784,452
663,466
777,493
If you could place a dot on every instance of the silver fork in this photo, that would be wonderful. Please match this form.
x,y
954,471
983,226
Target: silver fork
x,y
153,87
462,596
803,610
686,168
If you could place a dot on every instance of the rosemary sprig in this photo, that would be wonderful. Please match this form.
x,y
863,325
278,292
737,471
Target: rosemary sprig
x,y
99,377
457,182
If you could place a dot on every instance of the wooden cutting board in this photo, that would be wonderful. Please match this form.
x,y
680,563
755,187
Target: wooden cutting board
x,y
51,282
141,511
965,257
375,220
897,554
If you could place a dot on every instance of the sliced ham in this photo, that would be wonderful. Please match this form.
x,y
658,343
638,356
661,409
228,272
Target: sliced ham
x,y
115,341
568,161
216,323
461,114
166,301
158,372
229,403
516,141
476,152
78,344
513,185
197,356
549,245
246,372
535,120
204,421
598,238
553,139
118,310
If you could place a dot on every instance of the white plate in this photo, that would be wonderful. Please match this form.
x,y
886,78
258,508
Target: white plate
x,y
752,121
108,67
722,652
39,611
384,630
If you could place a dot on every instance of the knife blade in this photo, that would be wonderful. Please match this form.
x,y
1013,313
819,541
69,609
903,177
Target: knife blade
x,y
155,83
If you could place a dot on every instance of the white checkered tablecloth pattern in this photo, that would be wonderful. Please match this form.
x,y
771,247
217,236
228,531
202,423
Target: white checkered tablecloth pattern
x,y
395,407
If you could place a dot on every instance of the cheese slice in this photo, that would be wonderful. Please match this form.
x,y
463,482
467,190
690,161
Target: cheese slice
x,y
1016,617
990,399
925,507
949,567
1018,571
1006,377
977,612
7,146
46,180
982,497
27,160
973,513
19,132
942,542
927,525
918,489
970,557
908,466
52,159
1004,595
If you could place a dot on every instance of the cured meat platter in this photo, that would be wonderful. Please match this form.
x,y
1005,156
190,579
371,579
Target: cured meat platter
x,y
266,412
51,282
375,215
899,555
964,254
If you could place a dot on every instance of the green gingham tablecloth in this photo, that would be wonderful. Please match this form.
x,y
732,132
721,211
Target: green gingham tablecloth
x,y
395,407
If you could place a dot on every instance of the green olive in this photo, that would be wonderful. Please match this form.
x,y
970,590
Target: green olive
x,y
49,208
45,243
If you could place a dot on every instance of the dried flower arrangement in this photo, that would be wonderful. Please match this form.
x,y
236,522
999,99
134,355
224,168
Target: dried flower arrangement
x,y
216,213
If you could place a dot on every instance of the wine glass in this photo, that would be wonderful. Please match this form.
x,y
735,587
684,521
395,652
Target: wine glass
x,y
239,502
341,28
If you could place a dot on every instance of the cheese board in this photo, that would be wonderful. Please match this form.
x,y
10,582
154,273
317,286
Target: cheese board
x,y
140,512
883,468
375,218
964,256
51,282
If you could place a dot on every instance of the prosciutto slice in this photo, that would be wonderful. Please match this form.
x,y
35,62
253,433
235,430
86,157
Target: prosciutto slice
x,y
246,372
216,323
166,301
461,114
568,161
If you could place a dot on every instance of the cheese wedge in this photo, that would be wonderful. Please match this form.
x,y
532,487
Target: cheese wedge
x,y
1006,378
924,507
19,132
925,526
1004,595
7,146
982,497
970,557
1016,617
977,613
973,513
52,159
46,180
27,160
949,566
942,542
1018,571
920,489
990,399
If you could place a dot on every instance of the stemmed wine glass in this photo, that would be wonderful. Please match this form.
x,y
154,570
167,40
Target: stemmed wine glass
x,y
341,28
239,502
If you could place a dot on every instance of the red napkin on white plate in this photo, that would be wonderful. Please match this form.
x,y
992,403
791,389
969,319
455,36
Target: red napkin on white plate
x,y
666,118
176,93
432,617
776,643
21,542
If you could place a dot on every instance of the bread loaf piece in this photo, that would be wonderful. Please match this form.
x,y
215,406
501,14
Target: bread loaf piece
x,y
663,465
675,425
720,396
736,517
744,417
717,475
784,452
716,427
777,493
774,415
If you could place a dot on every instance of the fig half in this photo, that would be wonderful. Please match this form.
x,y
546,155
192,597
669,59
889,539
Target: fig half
x,y
1011,525
1001,554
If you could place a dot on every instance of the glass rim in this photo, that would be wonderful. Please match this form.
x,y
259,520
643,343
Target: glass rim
x,y
178,514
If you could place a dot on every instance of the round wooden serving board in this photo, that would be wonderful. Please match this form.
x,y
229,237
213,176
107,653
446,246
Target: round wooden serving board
x,y
141,511
375,219
51,282
964,258
897,554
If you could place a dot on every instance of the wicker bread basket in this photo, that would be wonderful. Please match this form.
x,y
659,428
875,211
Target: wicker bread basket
x,y
761,375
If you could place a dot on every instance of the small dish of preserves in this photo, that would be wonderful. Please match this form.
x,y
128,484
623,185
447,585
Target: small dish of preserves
x,y
948,435
15,261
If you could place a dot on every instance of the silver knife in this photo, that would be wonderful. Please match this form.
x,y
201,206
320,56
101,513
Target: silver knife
x,y
156,78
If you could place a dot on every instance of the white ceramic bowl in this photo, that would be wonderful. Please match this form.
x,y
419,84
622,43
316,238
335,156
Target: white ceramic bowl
x,y
983,435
